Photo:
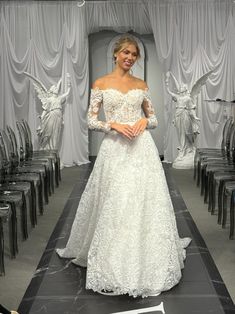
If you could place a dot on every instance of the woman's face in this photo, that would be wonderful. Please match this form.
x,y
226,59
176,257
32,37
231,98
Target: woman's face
x,y
126,57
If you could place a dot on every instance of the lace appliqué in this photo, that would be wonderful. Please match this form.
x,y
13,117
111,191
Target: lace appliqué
x,y
120,107
95,104
149,111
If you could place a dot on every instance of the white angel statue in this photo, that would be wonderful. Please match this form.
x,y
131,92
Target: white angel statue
x,y
185,120
51,119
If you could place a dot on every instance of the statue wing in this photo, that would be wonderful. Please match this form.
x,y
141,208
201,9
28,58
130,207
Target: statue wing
x,y
40,88
199,83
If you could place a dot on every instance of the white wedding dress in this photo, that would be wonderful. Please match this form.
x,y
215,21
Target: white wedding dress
x,y
125,230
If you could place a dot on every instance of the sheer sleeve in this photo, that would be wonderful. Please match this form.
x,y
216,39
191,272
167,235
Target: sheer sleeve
x,y
149,111
94,123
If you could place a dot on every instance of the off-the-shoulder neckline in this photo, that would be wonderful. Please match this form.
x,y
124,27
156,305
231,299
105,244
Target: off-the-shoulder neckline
x,y
117,90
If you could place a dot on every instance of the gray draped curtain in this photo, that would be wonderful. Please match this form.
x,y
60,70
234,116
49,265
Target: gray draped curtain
x,y
49,39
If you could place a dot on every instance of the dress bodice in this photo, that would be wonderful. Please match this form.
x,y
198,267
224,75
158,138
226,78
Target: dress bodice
x,y
123,107
120,107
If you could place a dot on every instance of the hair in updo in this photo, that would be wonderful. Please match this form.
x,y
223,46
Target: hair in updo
x,y
123,42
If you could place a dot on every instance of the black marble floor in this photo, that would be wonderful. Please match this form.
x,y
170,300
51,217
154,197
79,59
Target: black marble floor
x,y
59,287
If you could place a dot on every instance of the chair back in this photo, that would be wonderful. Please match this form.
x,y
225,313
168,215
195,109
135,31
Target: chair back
x,y
12,138
6,153
23,142
28,138
225,144
2,165
230,146
26,146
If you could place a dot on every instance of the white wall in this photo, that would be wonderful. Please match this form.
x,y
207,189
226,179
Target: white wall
x,y
98,44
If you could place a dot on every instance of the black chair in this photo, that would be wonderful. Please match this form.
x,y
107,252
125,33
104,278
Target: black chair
x,y
202,154
217,176
5,215
229,192
16,202
18,167
218,180
21,163
53,155
209,164
213,170
12,175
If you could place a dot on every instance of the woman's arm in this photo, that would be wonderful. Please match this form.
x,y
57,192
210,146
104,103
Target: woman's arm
x,y
149,111
96,98
150,119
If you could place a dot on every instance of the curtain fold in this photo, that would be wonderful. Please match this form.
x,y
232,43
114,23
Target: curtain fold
x,y
193,37
49,39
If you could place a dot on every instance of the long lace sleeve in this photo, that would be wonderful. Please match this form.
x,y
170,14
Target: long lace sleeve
x,y
149,111
93,112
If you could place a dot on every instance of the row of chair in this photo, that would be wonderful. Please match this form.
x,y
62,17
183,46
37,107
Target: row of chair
x,y
27,179
214,172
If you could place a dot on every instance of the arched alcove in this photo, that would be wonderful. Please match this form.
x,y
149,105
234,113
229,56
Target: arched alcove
x,y
99,43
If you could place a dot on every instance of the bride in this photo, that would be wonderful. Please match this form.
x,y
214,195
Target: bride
x,y
125,230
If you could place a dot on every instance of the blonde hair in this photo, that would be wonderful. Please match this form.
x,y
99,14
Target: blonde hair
x,y
124,41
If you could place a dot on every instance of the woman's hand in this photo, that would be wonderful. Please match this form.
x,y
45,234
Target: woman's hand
x,y
130,131
123,129
139,127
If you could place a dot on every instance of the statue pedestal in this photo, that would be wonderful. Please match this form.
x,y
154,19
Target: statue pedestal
x,y
184,162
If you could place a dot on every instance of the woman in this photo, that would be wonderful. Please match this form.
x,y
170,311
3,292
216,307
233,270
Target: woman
x,y
125,231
